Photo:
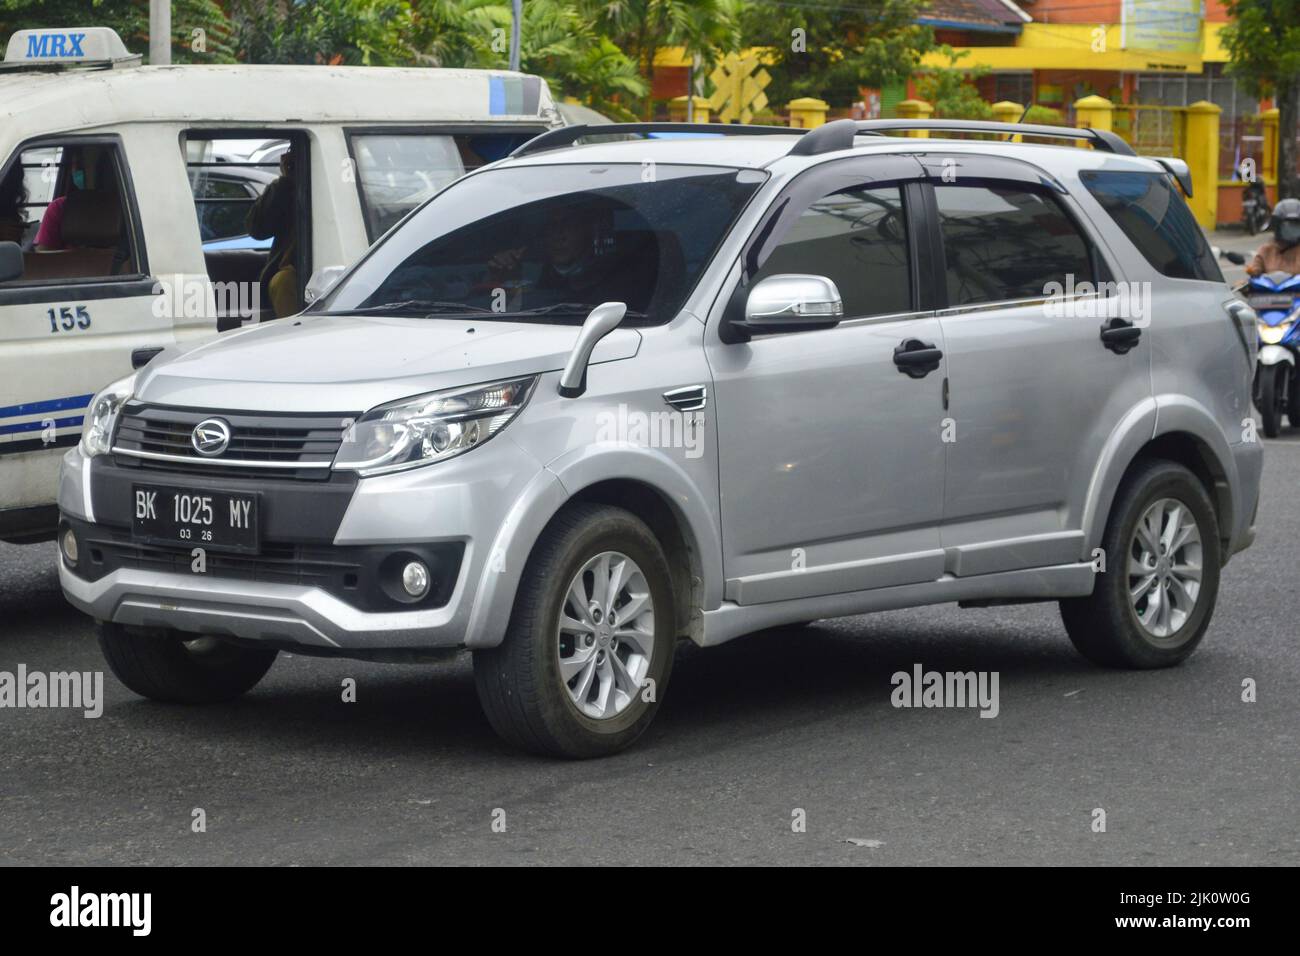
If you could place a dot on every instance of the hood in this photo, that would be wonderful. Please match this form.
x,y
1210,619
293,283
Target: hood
x,y
341,363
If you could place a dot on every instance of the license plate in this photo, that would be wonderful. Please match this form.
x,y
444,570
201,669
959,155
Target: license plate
x,y
1270,302
217,520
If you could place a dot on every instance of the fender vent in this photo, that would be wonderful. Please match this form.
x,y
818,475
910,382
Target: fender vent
x,y
692,398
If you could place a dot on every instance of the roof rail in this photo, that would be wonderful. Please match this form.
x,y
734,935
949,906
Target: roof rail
x,y
568,135
1179,169
841,133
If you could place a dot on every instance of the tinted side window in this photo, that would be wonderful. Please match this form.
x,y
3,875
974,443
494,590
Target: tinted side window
x,y
1156,220
1007,242
858,239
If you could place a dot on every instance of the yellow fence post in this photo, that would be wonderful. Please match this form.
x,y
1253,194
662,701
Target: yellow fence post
x,y
1093,112
1268,161
1008,112
1202,158
807,112
677,109
915,109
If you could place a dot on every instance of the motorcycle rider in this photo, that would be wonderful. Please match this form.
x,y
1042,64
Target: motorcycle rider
x,y
1282,254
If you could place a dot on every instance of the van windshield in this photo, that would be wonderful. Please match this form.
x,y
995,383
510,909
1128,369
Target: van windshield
x,y
549,243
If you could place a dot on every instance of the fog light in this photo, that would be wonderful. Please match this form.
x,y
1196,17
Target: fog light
x,y
68,544
415,579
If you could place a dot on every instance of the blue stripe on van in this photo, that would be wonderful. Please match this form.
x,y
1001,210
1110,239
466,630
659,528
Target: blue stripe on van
x,y
497,95
38,426
52,405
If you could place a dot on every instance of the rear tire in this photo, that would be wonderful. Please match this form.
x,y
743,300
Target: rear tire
x,y
174,668
1152,605
565,681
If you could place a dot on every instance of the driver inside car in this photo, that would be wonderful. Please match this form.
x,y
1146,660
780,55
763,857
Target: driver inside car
x,y
584,261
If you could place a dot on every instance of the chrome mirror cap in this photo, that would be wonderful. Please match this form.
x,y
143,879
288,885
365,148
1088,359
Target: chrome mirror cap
x,y
793,299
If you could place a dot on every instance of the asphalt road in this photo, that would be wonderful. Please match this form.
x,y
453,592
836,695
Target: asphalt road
x,y
411,773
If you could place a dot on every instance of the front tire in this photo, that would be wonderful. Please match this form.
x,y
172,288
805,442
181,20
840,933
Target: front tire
x,y
1272,399
1293,400
589,649
182,669
1153,603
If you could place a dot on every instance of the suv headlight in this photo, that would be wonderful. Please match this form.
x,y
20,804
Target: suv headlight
x,y
101,417
428,428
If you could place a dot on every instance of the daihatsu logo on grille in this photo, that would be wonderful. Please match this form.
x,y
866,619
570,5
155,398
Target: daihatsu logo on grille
x,y
210,437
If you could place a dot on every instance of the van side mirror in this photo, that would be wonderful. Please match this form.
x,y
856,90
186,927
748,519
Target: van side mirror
x,y
602,320
792,302
321,281
11,261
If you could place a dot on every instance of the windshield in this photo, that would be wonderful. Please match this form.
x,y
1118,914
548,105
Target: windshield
x,y
549,243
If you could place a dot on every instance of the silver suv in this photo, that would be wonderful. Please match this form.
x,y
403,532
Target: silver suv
x,y
597,398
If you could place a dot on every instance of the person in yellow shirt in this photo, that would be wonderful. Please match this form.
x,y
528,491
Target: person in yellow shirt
x,y
275,216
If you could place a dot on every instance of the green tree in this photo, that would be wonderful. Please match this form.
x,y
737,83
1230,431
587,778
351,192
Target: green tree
x,y
348,32
1263,43
130,18
950,91
556,42
830,50
641,28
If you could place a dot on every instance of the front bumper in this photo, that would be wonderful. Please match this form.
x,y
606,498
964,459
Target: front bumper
x,y
280,614
475,503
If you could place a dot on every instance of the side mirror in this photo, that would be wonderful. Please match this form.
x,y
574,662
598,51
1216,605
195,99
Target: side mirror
x,y
602,320
11,261
792,303
321,281
142,357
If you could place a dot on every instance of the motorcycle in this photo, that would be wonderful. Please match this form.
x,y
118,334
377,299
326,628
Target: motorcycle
x,y
1275,297
1255,211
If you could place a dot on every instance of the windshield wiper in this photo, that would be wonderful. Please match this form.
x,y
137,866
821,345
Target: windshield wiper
x,y
419,306
566,308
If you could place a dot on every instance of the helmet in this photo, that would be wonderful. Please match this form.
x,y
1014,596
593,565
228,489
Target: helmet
x,y
1286,222
1286,209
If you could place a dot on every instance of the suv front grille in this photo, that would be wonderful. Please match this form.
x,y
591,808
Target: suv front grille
x,y
262,445
322,567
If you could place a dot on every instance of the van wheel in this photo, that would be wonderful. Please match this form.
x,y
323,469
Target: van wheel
x,y
589,649
1152,605
168,667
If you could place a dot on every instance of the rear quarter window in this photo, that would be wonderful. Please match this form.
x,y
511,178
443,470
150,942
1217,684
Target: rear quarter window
x,y
1156,220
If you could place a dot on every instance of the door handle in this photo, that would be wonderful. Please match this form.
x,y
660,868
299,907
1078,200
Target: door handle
x,y
1120,336
917,359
